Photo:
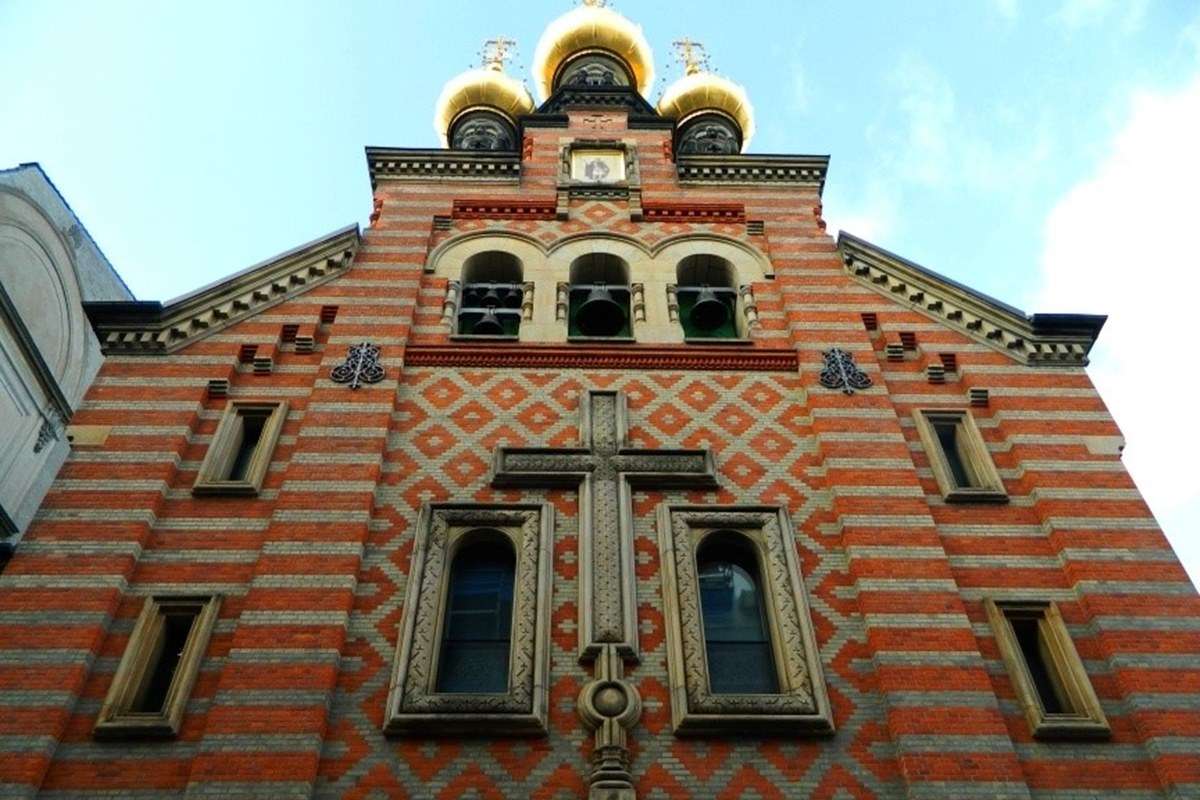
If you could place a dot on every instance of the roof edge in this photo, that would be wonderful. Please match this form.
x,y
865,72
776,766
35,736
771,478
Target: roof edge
x,y
151,327
1035,339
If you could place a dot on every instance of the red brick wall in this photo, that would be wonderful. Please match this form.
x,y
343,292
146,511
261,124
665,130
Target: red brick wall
x,y
290,699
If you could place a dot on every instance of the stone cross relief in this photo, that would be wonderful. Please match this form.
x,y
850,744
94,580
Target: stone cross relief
x,y
605,470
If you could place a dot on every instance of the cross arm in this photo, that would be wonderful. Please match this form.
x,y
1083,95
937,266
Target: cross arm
x,y
668,469
540,467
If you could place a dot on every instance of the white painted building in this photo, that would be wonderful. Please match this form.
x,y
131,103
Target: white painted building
x,y
49,267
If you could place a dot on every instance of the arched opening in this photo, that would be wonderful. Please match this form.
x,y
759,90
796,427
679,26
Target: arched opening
x,y
492,295
737,637
599,300
708,134
477,629
483,129
594,68
706,289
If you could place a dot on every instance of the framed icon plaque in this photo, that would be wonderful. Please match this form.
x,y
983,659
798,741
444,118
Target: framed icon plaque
x,y
598,166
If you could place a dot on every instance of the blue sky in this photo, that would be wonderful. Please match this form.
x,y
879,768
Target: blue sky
x,y
1035,149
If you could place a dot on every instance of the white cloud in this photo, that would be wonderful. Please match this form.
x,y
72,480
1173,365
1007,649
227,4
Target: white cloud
x,y
924,141
1122,243
799,88
1128,14
872,218
1008,9
927,104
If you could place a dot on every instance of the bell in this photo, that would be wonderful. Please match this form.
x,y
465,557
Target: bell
x,y
491,299
708,313
472,297
512,298
488,324
600,314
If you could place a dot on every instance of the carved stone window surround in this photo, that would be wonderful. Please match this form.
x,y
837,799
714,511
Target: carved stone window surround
x,y
1084,718
117,719
972,450
802,705
214,470
414,706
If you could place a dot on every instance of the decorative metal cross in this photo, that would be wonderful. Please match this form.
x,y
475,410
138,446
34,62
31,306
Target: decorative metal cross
x,y
605,470
496,52
842,373
361,366
692,55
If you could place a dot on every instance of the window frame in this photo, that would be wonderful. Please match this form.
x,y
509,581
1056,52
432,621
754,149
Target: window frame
x,y
222,451
802,704
414,706
1086,720
972,450
116,719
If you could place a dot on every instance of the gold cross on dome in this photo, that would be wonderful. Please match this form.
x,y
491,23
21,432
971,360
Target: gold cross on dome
x,y
497,51
595,3
692,55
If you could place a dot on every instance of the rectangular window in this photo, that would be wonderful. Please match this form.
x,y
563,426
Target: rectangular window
x,y
959,457
155,677
1048,676
241,449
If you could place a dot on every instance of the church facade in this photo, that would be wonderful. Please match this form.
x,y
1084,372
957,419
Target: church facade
x,y
595,467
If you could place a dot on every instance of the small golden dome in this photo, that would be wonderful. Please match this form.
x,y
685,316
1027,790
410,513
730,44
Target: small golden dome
x,y
700,92
484,88
593,27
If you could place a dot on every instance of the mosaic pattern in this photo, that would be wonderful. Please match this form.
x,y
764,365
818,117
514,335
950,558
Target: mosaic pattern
x,y
445,428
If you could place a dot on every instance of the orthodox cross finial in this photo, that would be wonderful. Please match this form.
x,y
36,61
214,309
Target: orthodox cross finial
x,y
692,55
496,52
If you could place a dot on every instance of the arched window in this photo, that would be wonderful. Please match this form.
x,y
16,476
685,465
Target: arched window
x,y
736,632
592,69
599,304
707,292
478,624
482,130
492,295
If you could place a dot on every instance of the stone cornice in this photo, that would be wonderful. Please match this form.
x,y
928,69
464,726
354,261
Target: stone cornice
x,y
404,164
530,356
153,328
754,170
599,97
1037,339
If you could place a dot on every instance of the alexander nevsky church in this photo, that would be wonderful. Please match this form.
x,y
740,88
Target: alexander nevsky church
x,y
593,467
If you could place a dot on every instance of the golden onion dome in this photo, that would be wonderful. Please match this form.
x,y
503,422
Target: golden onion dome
x,y
592,28
701,92
486,88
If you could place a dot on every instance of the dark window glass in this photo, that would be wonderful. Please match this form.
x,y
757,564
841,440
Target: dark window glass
x,y
735,628
252,429
947,433
478,619
1029,637
176,628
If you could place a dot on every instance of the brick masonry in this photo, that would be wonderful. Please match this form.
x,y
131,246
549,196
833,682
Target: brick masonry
x,y
290,699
